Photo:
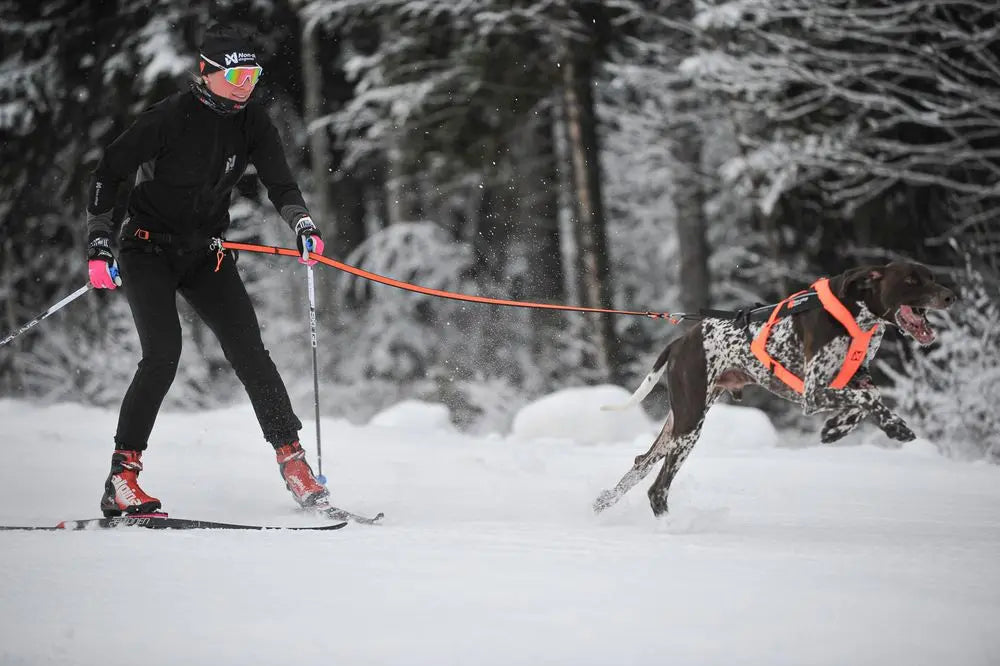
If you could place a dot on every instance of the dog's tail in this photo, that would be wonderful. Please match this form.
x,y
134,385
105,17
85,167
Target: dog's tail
x,y
659,367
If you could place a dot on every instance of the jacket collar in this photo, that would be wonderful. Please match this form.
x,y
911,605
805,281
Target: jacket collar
x,y
217,103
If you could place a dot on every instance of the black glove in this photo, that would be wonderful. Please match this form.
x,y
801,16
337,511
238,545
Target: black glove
x,y
101,264
307,237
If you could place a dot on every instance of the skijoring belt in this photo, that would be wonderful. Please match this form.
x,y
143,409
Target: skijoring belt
x,y
178,243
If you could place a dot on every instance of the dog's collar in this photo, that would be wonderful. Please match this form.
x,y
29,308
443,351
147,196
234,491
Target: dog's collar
x,y
856,353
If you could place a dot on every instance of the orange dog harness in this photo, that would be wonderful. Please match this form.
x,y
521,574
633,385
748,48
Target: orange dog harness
x,y
856,353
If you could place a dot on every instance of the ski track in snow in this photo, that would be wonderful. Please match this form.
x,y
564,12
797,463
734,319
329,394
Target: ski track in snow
x,y
489,553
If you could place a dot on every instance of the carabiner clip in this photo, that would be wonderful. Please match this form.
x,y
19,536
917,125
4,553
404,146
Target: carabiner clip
x,y
220,252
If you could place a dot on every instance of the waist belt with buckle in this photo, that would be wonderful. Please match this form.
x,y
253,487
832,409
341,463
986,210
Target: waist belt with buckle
x,y
155,237
176,241
181,243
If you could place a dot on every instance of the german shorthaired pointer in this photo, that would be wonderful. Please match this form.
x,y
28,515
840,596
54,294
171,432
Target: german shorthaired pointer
x,y
809,361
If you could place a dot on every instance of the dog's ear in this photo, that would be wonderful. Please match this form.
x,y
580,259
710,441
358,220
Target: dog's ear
x,y
856,281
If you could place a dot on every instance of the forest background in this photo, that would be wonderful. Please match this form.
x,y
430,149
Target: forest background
x,y
632,154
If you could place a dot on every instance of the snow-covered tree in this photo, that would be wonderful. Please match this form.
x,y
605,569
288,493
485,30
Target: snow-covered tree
x,y
881,112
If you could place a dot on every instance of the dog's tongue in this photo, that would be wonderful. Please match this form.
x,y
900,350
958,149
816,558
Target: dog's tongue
x,y
916,325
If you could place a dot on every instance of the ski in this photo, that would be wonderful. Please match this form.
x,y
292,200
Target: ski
x,y
160,523
336,513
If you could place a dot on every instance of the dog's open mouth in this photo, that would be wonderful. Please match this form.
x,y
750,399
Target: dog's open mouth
x,y
913,320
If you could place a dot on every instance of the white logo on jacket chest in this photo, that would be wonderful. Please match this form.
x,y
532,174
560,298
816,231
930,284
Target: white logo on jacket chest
x,y
230,164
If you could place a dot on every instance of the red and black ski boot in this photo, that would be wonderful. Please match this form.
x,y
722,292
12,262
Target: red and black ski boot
x,y
299,478
122,493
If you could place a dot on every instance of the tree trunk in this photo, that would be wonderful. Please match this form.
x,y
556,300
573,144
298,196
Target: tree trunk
x,y
491,235
349,200
402,196
537,237
689,200
322,204
377,196
319,143
593,271
538,201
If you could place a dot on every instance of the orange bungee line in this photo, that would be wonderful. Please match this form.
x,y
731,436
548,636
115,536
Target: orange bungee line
x,y
399,284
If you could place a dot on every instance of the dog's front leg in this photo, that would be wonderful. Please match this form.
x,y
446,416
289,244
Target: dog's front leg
x,y
853,403
840,424
822,399
817,396
844,421
891,423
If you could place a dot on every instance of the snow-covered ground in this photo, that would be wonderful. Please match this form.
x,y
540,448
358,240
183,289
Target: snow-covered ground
x,y
490,554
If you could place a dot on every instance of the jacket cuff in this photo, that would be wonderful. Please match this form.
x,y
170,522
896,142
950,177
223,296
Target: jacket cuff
x,y
99,225
292,213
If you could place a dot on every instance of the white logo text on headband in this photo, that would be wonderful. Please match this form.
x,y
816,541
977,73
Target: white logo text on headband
x,y
234,58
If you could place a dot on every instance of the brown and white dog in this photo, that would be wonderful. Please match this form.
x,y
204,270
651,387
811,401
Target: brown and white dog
x,y
715,356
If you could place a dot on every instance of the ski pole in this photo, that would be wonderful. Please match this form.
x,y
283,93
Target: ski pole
x,y
311,283
55,308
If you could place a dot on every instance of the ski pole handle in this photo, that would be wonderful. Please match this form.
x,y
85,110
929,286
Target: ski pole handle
x,y
55,308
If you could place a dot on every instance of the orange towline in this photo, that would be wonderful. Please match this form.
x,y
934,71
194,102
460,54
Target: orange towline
x,y
399,284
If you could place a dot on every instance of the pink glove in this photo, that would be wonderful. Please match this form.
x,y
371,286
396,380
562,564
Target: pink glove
x,y
315,246
104,275
307,239
101,264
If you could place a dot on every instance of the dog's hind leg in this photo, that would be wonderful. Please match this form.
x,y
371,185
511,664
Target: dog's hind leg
x,y
691,400
684,361
680,447
640,469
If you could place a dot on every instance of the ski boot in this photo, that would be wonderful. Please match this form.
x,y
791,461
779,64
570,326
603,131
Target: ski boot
x,y
122,493
299,478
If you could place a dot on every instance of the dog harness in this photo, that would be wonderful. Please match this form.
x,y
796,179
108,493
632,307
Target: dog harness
x,y
856,353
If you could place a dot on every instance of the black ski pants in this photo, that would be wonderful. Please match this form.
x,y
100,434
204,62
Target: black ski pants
x,y
151,277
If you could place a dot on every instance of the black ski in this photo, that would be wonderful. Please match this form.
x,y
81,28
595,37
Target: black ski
x,y
336,513
161,523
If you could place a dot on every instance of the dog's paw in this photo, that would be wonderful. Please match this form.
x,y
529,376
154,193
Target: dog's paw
x,y
606,499
658,502
831,433
899,431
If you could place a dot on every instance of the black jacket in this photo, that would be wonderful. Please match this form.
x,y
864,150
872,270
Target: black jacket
x,y
188,158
